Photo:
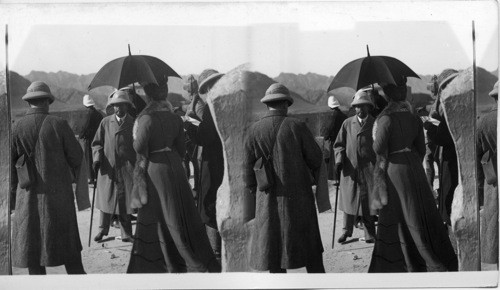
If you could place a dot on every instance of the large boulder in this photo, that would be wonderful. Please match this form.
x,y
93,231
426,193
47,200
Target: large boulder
x,y
235,104
458,101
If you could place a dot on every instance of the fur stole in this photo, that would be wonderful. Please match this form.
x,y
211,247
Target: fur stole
x,y
139,196
378,196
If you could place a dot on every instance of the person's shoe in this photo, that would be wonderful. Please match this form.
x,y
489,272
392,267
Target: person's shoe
x,y
116,224
343,238
99,236
128,240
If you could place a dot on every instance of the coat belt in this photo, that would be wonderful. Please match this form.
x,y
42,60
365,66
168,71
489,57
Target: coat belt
x,y
401,151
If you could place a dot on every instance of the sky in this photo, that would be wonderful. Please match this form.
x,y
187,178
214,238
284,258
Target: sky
x,y
296,37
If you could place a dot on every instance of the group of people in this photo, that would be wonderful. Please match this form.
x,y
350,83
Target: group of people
x,y
140,163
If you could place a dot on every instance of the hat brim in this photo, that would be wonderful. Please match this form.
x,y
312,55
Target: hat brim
x,y
494,92
334,106
118,101
358,103
202,88
38,95
277,97
447,80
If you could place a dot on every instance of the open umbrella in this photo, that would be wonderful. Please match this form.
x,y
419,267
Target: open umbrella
x,y
130,69
368,70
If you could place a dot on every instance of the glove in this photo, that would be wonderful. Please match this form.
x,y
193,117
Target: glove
x,y
95,166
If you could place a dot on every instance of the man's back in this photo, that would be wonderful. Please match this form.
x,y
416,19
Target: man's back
x,y
56,151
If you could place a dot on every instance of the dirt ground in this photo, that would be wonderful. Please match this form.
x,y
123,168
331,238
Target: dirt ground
x,y
112,255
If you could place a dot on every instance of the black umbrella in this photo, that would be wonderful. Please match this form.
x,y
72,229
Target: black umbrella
x,y
131,69
368,70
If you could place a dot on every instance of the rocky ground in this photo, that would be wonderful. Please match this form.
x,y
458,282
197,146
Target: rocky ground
x,y
112,255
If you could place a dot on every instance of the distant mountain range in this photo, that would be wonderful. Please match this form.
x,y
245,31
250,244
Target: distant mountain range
x,y
309,89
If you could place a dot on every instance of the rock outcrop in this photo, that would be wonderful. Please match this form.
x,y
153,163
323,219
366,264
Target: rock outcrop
x,y
235,104
458,101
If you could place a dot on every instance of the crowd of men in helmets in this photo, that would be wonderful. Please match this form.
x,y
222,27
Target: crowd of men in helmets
x,y
45,231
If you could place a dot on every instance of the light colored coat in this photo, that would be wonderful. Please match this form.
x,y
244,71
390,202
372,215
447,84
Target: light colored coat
x,y
354,149
113,147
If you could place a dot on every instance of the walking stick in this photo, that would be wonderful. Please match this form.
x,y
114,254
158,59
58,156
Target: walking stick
x,y
335,212
92,210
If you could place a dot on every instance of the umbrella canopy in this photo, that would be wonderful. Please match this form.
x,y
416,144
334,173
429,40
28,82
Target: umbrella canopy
x,y
131,69
368,70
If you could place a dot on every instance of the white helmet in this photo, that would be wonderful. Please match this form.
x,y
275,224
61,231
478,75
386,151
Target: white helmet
x,y
332,102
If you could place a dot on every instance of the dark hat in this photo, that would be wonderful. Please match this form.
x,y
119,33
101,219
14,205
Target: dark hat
x,y
38,90
191,85
206,77
277,92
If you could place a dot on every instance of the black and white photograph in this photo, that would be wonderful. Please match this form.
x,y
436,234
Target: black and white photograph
x,y
278,145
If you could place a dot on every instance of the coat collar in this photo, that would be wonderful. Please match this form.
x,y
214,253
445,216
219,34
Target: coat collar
x,y
273,113
367,126
37,111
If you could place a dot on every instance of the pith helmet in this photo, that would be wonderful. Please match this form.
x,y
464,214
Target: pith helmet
x,y
494,92
119,97
333,102
363,96
206,77
277,92
38,90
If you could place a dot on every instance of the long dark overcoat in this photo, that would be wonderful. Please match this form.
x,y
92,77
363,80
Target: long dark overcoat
x,y
487,141
45,229
330,135
113,147
354,149
211,169
286,232
92,122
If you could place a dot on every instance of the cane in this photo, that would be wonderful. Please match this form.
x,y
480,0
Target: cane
x,y
335,212
92,210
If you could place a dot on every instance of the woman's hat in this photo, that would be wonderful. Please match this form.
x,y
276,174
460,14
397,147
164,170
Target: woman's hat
x,y
277,92
88,101
191,85
333,102
206,77
119,97
362,97
38,90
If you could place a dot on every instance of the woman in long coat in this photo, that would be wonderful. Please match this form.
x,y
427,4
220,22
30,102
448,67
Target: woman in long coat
x,y
170,236
411,236
45,229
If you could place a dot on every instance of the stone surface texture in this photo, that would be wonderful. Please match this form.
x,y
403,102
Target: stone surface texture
x,y
5,187
458,101
235,104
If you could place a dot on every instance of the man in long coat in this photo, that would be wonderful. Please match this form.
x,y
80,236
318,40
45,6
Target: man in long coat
x,y
93,119
114,159
354,159
331,132
45,229
447,154
212,161
487,142
286,232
